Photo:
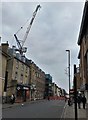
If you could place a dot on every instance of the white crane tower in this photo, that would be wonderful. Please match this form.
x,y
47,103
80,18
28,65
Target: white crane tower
x,y
20,44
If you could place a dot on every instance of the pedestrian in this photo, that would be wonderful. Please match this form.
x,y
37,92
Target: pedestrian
x,y
69,102
79,100
65,98
84,101
48,97
12,98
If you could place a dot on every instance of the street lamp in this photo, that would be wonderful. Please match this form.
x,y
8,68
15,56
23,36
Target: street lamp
x,y
69,68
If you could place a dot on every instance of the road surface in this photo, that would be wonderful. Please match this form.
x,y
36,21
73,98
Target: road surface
x,y
43,109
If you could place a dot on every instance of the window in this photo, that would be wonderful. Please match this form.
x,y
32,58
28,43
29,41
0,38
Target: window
x,y
22,67
26,76
21,78
16,75
17,64
26,69
36,74
39,75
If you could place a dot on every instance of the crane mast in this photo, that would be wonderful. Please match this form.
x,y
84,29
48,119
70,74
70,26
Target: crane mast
x,y
20,46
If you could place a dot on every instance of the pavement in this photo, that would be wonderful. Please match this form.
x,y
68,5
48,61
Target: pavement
x,y
69,112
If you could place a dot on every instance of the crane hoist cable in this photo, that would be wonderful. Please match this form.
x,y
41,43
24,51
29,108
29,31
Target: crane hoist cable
x,y
22,26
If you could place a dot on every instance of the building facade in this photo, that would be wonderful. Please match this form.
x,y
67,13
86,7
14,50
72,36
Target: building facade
x,y
48,86
79,80
58,91
24,78
37,82
83,53
3,66
0,73
17,81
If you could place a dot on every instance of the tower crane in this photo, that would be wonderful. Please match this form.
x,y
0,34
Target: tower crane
x,y
20,44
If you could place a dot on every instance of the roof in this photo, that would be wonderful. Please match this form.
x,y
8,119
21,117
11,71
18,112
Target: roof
x,y
4,53
84,23
25,63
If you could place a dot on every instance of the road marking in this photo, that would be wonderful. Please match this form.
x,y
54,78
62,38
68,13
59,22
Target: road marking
x,y
63,111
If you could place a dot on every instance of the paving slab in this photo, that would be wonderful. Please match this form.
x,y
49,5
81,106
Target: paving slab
x,y
69,112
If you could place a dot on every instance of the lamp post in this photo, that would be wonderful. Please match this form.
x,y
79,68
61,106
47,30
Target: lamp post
x,y
69,68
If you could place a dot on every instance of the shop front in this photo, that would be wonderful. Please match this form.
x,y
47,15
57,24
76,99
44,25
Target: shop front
x,y
22,93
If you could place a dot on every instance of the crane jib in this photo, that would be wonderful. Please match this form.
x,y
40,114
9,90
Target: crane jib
x,y
20,45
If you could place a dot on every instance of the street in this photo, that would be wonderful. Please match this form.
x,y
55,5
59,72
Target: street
x,y
43,109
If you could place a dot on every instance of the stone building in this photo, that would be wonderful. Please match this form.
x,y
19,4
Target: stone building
x,y
53,89
48,85
1,80
24,78
79,81
37,82
17,75
83,53
58,91
3,65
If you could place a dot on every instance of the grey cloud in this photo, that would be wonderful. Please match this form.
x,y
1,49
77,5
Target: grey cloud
x,y
54,30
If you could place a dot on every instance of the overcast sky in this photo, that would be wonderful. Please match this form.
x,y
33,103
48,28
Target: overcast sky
x,y
55,29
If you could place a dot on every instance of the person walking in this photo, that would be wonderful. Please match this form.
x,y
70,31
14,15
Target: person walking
x,y
48,97
65,98
79,100
12,98
84,101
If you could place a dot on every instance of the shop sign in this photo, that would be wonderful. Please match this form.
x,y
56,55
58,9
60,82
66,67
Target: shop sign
x,y
25,88
18,88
